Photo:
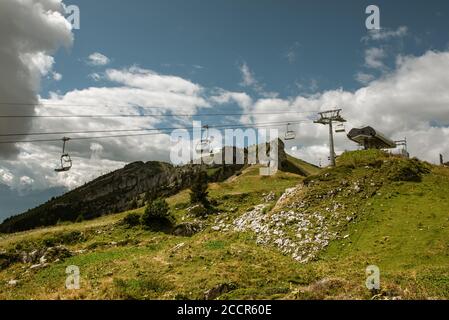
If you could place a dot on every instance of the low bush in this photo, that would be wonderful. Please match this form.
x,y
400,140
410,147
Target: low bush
x,y
406,170
132,219
65,238
157,216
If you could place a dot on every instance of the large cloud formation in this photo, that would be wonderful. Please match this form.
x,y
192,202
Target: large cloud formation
x,y
411,101
30,31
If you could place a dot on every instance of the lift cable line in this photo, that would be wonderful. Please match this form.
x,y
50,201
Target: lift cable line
x,y
146,115
79,105
114,130
107,105
123,135
161,131
69,105
327,118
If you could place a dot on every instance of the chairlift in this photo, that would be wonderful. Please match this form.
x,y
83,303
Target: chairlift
x,y
340,128
66,161
205,144
289,134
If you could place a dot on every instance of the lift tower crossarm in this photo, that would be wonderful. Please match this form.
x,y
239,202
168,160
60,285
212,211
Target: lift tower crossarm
x,y
327,118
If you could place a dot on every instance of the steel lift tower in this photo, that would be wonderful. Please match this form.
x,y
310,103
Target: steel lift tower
x,y
327,118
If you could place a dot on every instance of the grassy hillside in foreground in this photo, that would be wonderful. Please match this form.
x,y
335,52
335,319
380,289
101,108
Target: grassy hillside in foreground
x,y
386,211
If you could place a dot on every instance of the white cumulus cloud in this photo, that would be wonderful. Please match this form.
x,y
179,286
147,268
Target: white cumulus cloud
x,y
373,58
249,80
98,59
386,34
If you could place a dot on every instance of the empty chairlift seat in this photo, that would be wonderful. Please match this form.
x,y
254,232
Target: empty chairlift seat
x,y
66,161
340,128
204,145
289,134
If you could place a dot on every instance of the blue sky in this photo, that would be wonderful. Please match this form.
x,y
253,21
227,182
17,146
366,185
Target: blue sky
x,y
205,41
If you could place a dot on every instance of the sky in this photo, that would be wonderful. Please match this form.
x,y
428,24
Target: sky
x,y
286,58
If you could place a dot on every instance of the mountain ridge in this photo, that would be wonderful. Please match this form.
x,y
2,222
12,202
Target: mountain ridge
x,y
126,188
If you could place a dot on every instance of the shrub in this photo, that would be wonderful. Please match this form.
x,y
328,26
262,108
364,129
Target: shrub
x,y
133,204
406,170
132,219
199,192
67,238
8,258
72,237
149,197
157,216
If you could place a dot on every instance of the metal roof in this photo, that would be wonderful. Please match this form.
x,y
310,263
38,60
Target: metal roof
x,y
371,138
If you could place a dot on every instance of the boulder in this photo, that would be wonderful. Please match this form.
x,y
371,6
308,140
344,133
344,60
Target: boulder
x,y
45,255
187,229
218,290
198,210
12,283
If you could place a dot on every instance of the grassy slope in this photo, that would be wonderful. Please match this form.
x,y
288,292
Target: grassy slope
x,y
143,264
404,229
308,168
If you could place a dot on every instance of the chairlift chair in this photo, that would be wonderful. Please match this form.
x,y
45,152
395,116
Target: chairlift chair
x,y
66,161
340,128
205,144
289,134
